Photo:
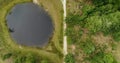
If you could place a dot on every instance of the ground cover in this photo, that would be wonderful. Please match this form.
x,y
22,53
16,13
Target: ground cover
x,y
93,30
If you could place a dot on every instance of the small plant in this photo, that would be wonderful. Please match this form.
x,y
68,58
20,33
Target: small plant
x,y
6,56
20,59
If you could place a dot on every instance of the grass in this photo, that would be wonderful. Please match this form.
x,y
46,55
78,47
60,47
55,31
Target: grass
x,y
54,8
8,45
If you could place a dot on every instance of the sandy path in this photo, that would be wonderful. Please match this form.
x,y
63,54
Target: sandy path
x,y
64,27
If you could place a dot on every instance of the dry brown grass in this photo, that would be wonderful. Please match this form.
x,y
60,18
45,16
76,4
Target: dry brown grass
x,y
73,6
101,39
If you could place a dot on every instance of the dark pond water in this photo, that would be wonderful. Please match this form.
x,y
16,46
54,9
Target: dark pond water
x,y
29,25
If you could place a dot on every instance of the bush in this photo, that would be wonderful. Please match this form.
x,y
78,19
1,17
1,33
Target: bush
x,y
69,31
102,57
20,59
6,56
108,58
108,24
97,58
30,58
72,19
72,35
116,36
87,46
100,2
69,58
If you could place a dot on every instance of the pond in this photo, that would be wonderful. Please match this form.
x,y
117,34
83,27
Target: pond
x,y
29,25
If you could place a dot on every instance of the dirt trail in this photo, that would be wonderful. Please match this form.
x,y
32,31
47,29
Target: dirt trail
x,y
64,27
